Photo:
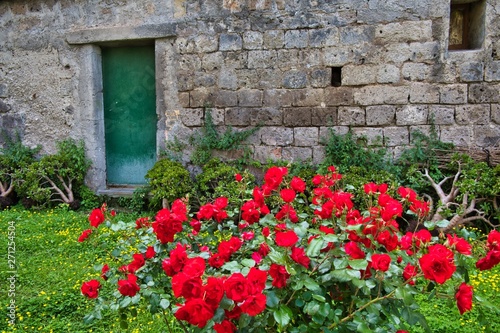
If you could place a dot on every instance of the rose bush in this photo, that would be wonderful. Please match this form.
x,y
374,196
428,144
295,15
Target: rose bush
x,y
294,258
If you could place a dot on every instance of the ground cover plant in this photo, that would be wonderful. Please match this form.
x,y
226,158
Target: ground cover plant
x,y
293,258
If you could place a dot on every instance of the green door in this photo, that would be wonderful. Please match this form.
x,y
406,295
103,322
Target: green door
x,y
129,113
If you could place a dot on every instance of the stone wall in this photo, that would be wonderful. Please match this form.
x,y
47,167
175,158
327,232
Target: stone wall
x,y
267,62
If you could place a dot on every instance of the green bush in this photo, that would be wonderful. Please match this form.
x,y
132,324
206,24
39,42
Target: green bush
x,y
58,177
14,159
168,180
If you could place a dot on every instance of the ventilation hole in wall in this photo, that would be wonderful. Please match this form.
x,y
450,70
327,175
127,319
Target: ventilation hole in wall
x,y
336,76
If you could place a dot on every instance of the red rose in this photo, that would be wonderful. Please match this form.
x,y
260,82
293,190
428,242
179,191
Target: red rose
x,y
297,184
370,188
436,268
129,286
104,271
213,292
353,250
287,211
441,251
460,244
225,327
464,298
274,177
206,212
391,210
286,238
236,287
195,311
491,260
299,256
247,235
279,275
401,331
264,249
254,304
381,262
287,194
423,236
196,225
194,267
409,272
187,286
256,280
142,222
91,288
407,193
85,234
216,260
238,177
150,252
389,241
494,240
96,217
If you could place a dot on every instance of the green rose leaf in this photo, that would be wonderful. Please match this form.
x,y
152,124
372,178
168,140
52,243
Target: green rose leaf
x,y
283,315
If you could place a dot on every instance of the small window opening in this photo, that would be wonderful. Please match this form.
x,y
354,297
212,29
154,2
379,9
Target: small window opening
x,y
466,24
336,76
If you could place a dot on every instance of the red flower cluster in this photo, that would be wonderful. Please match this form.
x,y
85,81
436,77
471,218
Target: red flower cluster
x,y
225,250
438,265
96,217
169,222
128,287
85,234
91,288
253,209
215,210
493,256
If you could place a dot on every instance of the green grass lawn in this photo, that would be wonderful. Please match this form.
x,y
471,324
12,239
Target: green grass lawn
x,y
51,266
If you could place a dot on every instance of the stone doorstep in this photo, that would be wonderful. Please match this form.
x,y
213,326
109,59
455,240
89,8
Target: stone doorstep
x,y
116,192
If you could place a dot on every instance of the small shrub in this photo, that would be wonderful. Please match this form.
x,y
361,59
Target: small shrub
x,y
56,178
168,180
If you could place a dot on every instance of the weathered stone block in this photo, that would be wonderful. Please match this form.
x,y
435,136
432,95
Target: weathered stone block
x,y
412,115
278,97
407,31
205,43
356,75
260,4
373,95
338,56
308,97
416,71
266,117
192,117
238,117
492,71
277,136
252,40
351,116
471,71
324,116
189,62
212,61
335,96
484,93
297,154
423,129
262,59
323,37
274,39
320,78
388,74
296,39
265,153
249,97
183,99
288,59
225,98
380,115
424,93
202,79
373,136
325,132
318,154
230,42
4,90
472,114
442,115
495,113
351,35
425,52
460,136
4,107
486,135
295,79
396,136
199,97
297,116
305,136
453,94
227,79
